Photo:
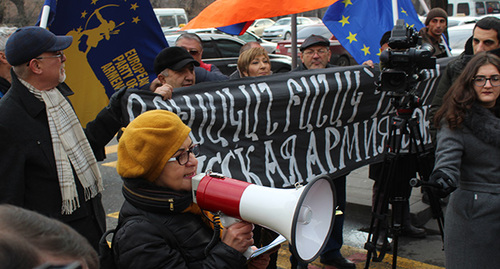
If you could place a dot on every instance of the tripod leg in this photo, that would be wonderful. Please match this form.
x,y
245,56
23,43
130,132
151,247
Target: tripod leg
x,y
378,224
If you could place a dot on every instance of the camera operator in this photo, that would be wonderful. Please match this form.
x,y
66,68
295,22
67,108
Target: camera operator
x,y
435,26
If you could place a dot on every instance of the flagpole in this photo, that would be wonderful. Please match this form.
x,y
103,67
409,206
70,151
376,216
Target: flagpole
x,y
45,15
395,11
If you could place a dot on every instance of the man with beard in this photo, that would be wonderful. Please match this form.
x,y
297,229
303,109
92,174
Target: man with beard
x,y
48,162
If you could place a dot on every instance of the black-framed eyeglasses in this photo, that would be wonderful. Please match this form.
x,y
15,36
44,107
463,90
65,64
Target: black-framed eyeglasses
x,y
480,81
311,52
183,158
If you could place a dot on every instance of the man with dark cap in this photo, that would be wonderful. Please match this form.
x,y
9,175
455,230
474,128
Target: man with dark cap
x,y
316,55
435,25
48,162
174,67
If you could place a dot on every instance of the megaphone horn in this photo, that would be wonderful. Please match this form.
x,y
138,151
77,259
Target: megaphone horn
x,y
304,215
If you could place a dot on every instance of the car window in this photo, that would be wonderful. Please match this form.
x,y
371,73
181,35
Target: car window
x,y
480,8
463,8
283,22
181,19
248,37
493,7
228,48
209,50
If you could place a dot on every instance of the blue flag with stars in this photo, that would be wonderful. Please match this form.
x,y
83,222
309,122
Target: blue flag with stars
x,y
359,24
114,45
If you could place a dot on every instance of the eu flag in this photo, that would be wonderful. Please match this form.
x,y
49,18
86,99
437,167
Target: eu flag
x,y
114,46
359,24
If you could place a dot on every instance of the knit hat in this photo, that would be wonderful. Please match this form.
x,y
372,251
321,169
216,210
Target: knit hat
x,y
436,12
148,142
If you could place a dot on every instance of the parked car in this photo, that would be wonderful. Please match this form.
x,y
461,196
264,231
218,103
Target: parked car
x,y
223,50
282,29
246,37
259,25
458,35
340,56
268,45
472,7
461,20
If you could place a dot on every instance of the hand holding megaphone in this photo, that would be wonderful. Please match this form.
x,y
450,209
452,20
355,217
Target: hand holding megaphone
x,y
238,235
304,215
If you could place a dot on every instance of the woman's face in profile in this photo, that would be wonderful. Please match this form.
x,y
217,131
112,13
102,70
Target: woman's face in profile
x,y
259,66
176,176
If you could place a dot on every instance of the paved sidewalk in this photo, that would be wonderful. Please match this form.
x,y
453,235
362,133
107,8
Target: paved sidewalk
x,y
359,193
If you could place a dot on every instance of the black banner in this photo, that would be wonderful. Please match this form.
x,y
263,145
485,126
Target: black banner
x,y
289,127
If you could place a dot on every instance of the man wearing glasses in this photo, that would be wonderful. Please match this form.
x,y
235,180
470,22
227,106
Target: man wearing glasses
x,y
193,44
316,55
48,162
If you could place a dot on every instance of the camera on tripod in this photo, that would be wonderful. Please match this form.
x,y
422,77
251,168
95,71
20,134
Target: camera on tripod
x,y
402,64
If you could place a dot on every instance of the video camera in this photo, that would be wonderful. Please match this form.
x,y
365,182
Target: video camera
x,y
402,64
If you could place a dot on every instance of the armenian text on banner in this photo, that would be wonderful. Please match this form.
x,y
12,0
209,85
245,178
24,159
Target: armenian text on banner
x,y
289,127
359,24
114,46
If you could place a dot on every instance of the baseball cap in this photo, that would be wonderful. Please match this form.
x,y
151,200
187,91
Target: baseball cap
x,y
174,58
29,42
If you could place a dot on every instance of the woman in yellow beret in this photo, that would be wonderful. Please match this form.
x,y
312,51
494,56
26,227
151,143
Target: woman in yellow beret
x,y
159,225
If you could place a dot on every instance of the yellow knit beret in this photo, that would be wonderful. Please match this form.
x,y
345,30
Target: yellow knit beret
x,y
148,142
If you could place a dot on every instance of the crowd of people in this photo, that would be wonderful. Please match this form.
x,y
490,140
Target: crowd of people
x,y
51,179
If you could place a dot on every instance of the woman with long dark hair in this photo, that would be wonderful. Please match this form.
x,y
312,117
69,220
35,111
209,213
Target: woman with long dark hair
x,y
468,164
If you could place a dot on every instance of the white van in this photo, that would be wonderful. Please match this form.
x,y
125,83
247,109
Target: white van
x,y
171,17
472,7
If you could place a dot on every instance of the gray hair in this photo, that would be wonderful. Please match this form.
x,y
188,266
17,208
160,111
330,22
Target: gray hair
x,y
190,36
5,32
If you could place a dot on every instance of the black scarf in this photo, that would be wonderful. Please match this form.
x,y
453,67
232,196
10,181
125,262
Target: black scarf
x,y
484,124
149,197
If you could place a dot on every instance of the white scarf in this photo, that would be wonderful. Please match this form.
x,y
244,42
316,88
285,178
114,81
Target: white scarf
x,y
71,148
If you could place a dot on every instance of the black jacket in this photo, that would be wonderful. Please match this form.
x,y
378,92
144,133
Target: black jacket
x,y
27,166
140,244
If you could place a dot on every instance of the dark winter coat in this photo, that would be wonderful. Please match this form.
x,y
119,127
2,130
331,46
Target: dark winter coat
x,y
471,157
140,244
27,165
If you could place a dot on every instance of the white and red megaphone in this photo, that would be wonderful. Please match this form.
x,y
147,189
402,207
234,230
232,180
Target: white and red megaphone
x,y
304,215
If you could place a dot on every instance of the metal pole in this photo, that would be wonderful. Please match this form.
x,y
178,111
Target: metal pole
x,y
294,40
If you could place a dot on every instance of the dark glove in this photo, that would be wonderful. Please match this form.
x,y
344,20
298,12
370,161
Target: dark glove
x,y
442,184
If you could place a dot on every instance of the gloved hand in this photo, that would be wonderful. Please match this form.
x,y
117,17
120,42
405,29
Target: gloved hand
x,y
447,185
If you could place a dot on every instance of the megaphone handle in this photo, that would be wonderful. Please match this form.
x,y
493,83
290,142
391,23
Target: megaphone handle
x,y
227,221
248,252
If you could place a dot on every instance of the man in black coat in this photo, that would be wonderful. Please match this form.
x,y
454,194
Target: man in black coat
x,y
47,161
